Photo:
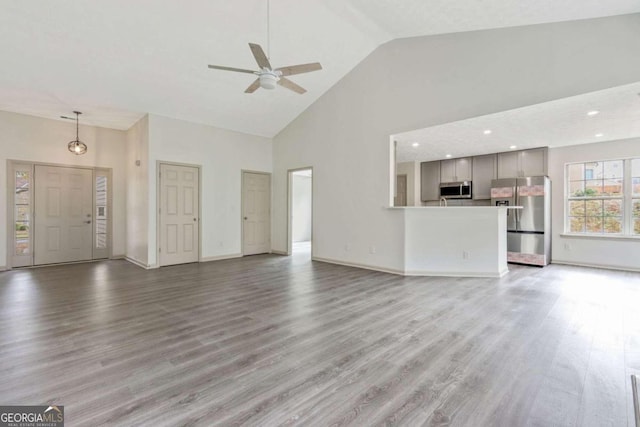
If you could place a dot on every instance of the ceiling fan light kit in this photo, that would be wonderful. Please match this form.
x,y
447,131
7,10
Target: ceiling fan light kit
x,y
269,77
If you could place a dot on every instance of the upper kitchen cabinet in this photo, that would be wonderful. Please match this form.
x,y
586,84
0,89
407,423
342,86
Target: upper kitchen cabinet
x,y
513,164
430,181
454,170
534,162
485,169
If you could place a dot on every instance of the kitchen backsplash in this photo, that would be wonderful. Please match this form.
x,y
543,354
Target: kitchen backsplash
x,y
461,202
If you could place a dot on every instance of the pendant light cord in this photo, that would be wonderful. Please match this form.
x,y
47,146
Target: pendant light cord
x,y
268,32
77,127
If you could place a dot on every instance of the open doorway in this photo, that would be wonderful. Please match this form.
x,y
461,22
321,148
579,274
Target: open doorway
x,y
300,212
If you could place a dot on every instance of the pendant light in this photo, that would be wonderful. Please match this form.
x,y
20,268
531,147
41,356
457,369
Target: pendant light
x,y
76,146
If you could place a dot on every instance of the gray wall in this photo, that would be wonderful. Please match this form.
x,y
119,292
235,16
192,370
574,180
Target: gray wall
x,y
419,82
35,139
588,250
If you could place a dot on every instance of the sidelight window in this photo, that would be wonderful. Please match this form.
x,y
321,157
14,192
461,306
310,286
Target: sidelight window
x,y
101,212
635,195
22,211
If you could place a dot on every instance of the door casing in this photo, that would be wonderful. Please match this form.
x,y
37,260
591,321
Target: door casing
x,y
12,166
290,207
158,205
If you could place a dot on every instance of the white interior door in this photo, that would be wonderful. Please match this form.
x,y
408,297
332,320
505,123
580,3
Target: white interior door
x,y
256,213
179,212
63,223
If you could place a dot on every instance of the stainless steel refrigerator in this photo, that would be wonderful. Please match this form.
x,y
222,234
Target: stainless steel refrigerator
x,y
529,228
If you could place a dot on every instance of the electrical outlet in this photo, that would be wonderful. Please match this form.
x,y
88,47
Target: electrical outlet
x,y
567,247
372,249
465,255
346,248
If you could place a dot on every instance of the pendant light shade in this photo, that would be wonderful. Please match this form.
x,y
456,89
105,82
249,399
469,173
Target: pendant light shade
x,y
76,146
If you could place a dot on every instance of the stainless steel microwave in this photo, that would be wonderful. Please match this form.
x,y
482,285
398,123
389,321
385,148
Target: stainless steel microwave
x,y
456,190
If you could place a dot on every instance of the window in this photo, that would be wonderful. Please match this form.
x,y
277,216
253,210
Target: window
x,y
635,194
22,214
600,195
101,212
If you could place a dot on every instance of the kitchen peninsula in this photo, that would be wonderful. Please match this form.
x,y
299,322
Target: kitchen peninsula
x,y
466,241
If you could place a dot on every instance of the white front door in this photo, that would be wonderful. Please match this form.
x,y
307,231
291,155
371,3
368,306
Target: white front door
x,y
256,213
63,205
179,211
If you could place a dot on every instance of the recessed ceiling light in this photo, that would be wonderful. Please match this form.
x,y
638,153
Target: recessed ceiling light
x,y
513,147
415,144
598,135
593,113
487,132
448,156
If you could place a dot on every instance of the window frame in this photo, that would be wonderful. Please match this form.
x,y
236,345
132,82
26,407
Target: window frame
x,y
627,230
14,259
633,197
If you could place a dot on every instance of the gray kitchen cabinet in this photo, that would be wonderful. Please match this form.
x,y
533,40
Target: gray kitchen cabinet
x,y
485,169
509,164
513,164
430,181
534,162
448,170
454,170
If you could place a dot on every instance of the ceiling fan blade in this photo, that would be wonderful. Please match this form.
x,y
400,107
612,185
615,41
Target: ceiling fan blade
x,y
261,58
253,86
291,85
239,70
299,69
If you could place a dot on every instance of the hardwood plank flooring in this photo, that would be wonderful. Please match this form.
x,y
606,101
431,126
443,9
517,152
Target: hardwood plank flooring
x,y
270,340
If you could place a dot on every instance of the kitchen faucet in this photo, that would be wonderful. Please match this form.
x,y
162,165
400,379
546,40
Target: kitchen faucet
x,y
442,199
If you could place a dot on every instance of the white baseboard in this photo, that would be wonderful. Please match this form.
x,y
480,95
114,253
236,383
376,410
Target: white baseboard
x,y
277,252
219,257
136,262
456,273
413,272
358,265
3,268
119,256
589,265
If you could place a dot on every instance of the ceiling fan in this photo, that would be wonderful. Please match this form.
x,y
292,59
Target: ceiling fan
x,y
268,76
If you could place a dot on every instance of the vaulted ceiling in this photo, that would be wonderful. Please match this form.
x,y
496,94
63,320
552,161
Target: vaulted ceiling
x,y
604,115
117,60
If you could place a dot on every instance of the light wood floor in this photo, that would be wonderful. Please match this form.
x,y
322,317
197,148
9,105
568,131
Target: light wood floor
x,y
270,340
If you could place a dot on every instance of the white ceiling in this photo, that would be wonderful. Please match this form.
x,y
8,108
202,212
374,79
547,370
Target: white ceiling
x,y
116,60
557,123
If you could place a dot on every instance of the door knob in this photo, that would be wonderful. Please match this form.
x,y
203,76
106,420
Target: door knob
x,y
87,222
245,218
194,219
